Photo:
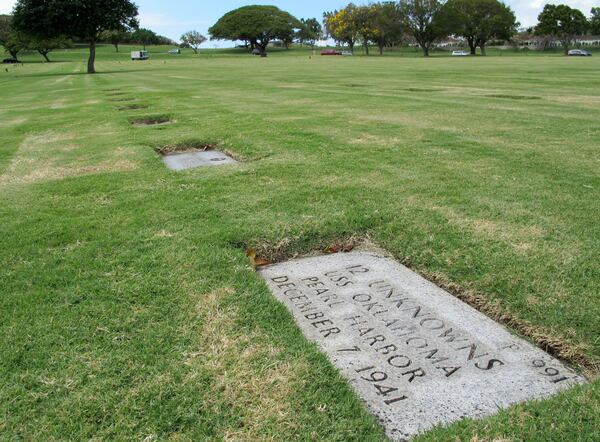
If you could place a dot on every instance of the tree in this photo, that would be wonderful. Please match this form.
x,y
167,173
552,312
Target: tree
x,y
310,31
144,37
114,37
341,26
364,22
45,46
258,25
193,39
10,38
595,21
422,20
387,24
479,21
563,23
79,19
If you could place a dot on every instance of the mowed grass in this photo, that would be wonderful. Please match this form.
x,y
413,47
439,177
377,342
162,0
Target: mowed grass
x,y
128,308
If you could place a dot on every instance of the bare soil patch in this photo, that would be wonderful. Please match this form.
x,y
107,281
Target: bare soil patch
x,y
133,107
151,121
514,97
186,146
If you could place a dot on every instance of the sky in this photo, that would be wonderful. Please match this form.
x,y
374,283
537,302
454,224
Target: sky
x,y
175,17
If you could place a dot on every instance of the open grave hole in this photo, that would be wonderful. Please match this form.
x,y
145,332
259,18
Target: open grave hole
x,y
416,355
156,120
192,154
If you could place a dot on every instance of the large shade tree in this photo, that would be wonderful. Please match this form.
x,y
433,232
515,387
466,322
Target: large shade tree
x,y
79,19
387,24
310,32
342,26
258,25
423,20
12,40
479,21
595,21
563,23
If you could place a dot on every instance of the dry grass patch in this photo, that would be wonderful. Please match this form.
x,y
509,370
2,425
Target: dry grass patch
x,y
47,156
249,380
375,140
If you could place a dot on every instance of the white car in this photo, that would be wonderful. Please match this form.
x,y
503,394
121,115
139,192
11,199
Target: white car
x,y
460,54
139,55
579,53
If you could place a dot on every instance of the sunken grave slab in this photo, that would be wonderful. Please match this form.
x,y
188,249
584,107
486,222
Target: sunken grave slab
x,y
415,354
192,160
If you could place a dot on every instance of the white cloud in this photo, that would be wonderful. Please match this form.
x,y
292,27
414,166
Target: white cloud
x,y
6,6
527,11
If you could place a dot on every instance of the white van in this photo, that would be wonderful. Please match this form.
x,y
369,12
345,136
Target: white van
x,y
139,55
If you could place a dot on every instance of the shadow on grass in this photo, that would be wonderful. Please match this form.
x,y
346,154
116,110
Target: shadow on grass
x,y
68,74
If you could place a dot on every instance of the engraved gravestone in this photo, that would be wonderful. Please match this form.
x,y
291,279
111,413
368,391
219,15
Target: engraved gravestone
x,y
416,355
191,160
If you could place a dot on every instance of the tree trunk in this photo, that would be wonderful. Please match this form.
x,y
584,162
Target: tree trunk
x,y
565,45
425,50
472,46
116,47
482,47
44,54
366,46
91,67
351,45
262,48
381,46
13,54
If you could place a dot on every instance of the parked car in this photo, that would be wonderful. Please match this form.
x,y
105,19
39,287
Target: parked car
x,y
579,53
347,54
331,52
174,51
139,55
10,61
460,54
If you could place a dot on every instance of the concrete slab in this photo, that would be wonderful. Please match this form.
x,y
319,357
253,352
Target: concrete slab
x,y
417,356
191,160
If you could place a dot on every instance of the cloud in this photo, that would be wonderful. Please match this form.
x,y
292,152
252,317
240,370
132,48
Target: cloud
x,y
6,6
527,11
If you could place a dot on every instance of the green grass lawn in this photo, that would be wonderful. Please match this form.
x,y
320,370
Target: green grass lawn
x,y
128,308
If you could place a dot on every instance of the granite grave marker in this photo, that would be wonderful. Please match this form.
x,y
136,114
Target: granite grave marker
x,y
416,355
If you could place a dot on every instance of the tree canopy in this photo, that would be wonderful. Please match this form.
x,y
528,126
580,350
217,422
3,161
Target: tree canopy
x,y
310,31
595,21
387,24
12,40
193,39
479,21
563,23
342,25
81,19
423,20
258,25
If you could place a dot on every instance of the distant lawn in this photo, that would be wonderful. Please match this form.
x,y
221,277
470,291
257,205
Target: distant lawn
x,y
129,309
